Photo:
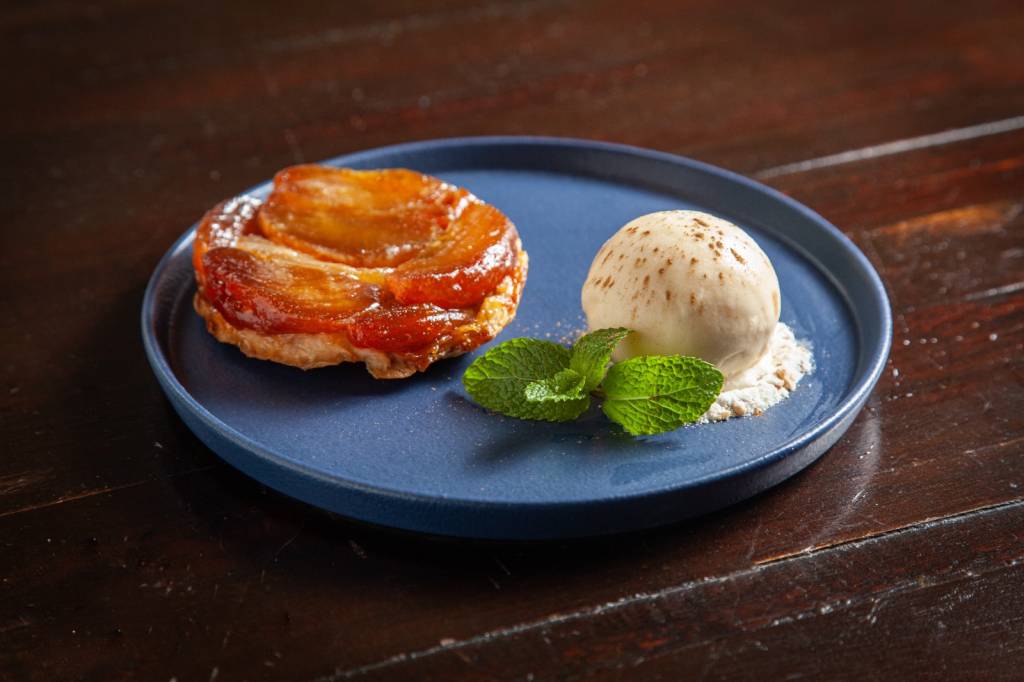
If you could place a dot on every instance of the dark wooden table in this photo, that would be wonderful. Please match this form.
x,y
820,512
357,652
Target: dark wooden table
x,y
129,551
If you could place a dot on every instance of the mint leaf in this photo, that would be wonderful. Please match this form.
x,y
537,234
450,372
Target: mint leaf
x,y
591,353
498,379
657,393
565,385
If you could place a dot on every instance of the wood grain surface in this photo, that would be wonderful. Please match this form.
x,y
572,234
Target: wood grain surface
x,y
129,551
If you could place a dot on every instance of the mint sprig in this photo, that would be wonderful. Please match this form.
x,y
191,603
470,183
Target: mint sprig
x,y
657,393
591,353
542,380
498,380
566,384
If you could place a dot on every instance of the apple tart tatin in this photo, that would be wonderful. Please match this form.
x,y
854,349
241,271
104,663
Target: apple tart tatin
x,y
392,268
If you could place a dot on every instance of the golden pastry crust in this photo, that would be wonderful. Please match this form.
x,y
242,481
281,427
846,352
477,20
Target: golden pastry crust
x,y
308,351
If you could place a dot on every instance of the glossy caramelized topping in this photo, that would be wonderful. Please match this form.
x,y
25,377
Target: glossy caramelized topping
x,y
362,218
392,258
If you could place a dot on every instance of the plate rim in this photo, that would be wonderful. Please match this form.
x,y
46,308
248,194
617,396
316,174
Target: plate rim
x,y
863,381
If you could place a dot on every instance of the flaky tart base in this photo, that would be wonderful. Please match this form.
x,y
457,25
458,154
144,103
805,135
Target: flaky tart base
x,y
308,351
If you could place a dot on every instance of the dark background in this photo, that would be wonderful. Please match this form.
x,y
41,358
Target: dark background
x,y
129,551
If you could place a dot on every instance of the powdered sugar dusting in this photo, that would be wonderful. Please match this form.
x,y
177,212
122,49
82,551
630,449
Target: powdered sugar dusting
x,y
768,382
565,332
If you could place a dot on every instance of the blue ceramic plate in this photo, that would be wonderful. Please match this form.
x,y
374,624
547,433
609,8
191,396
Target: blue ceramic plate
x,y
416,454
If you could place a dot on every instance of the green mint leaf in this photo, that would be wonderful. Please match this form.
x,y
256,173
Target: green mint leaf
x,y
591,353
657,393
565,385
498,379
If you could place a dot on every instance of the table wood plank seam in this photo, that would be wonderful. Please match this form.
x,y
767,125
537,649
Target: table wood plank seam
x,y
418,22
111,489
902,146
360,32
658,595
925,523
995,292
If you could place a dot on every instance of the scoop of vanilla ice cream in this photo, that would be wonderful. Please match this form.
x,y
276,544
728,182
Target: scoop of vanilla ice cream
x,y
686,283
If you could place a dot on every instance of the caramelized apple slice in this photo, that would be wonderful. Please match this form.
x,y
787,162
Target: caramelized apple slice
x,y
399,329
222,226
363,218
467,262
257,284
269,290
